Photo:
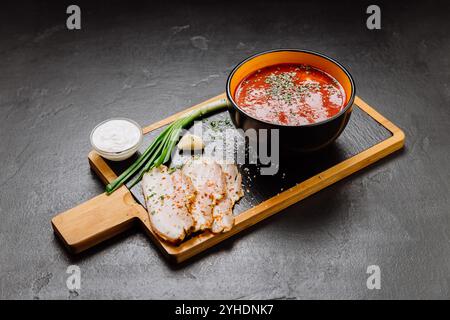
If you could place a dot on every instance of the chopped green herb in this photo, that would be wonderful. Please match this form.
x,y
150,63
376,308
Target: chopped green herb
x,y
150,195
284,88
171,170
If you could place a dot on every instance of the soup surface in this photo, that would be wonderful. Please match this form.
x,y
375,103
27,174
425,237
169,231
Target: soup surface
x,y
290,94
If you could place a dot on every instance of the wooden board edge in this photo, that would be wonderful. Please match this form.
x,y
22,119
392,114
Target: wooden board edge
x,y
396,131
101,168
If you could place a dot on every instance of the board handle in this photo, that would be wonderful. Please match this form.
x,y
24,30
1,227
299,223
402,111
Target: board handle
x,y
96,220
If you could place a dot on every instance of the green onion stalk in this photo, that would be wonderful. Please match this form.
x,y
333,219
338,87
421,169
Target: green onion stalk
x,y
160,150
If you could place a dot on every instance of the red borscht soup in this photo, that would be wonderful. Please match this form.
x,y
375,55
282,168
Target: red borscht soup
x,y
290,94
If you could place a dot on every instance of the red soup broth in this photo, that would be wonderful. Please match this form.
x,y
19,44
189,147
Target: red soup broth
x,y
290,94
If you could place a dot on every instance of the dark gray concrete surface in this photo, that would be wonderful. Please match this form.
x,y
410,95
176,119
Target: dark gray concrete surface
x,y
146,61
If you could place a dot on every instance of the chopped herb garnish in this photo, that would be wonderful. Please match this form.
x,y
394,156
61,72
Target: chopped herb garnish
x,y
216,125
150,195
171,170
284,88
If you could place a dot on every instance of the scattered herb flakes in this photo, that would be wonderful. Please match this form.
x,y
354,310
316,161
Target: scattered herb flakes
x,y
213,124
284,88
217,125
281,85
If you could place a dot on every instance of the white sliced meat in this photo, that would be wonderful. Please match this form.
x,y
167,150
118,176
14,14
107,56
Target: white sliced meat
x,y
223,219
209,182
233,179
168,196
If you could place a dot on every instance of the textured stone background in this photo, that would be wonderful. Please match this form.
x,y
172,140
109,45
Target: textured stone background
x,y
146,61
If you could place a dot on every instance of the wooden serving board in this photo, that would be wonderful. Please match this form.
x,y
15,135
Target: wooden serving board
x,y
368,138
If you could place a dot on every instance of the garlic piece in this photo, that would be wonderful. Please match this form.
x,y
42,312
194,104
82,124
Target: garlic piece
x,y
191,142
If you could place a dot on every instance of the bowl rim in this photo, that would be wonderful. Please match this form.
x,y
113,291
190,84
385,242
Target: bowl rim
x,y
117,153
343,110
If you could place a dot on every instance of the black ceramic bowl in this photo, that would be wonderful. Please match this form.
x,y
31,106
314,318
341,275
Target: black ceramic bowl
x,y
302,138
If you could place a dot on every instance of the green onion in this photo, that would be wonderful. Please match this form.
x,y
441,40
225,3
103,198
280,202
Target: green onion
x,y
160,150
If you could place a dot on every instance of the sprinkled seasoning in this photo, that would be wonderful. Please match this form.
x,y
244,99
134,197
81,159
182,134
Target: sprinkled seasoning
x,y
290,94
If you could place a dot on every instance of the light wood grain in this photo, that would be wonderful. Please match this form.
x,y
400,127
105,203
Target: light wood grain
x,y
96,220
79,230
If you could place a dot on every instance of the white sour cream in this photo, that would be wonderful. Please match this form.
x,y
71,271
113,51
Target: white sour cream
x,y
116,135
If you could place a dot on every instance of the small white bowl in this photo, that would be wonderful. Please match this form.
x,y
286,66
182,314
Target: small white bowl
x,y
119,155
